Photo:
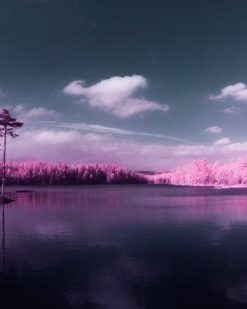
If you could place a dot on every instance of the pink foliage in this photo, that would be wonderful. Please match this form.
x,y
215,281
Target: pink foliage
x,y
33,172
198,172
201,172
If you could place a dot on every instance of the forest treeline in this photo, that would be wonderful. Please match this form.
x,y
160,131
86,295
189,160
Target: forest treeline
x,y
198,172
40,173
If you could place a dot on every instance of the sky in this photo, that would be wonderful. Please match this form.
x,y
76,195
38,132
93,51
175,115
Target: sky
x,y
147,85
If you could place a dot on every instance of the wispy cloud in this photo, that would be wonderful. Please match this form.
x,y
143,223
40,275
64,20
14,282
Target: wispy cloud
x,y
115,95
237,92
213,129
95,128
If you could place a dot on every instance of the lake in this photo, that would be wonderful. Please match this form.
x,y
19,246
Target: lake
x,y
124,247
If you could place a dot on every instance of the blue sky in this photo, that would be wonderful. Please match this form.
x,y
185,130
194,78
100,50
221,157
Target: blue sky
x,y
147,85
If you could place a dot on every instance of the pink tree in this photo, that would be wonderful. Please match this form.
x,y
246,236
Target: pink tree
x,y
8,125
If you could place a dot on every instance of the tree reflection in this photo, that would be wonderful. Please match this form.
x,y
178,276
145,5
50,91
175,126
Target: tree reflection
x,y
3,239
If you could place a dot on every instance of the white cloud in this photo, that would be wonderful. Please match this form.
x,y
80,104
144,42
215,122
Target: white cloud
x,y
134,106
35,113
238,147
109,91
116,95
214,129
56,137
223,141
238,92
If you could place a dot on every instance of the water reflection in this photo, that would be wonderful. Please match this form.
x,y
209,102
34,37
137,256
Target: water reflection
x,y
125,247
3,238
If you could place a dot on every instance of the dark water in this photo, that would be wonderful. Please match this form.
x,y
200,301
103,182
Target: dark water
x,y
124,247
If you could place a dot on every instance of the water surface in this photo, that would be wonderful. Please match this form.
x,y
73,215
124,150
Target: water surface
x,y
124,247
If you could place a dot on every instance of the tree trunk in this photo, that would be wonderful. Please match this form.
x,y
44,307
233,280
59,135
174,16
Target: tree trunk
x,y
4,161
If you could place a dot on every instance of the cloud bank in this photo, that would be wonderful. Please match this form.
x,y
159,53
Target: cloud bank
x,y
48,144
115,95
